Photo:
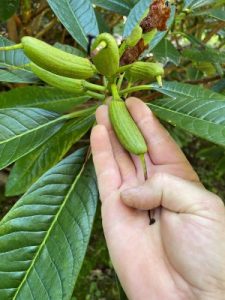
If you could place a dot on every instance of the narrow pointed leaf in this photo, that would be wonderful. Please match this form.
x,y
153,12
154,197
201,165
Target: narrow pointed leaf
x,y
41,97
175,89
23,130
204,118
30,167
78,17
43,239
9,59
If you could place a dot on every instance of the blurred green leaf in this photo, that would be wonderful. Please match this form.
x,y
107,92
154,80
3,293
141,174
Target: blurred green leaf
x,y
194,4
217,13
165,52
8,8
206,55
102,25
219,86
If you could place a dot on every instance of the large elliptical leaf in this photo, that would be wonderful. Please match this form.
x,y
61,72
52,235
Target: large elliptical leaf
x,y
43,239
9,59
202,117
23,130
42,97
176,89
30,167
78,17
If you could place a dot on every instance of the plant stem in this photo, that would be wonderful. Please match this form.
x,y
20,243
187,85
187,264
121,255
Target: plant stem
x,y
83,112
94,87
12,47
135,89
123,68
115,92
128,87
119,84
96,95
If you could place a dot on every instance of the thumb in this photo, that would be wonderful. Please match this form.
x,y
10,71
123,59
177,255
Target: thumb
x,y
175,194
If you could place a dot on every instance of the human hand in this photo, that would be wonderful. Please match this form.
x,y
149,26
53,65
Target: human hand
x,y
181,256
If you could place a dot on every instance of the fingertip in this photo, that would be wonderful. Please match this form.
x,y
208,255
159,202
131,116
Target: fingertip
x,y
98,134
101,113
136,104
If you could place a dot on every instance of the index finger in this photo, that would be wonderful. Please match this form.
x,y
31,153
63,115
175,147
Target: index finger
x,y
161,147
107,170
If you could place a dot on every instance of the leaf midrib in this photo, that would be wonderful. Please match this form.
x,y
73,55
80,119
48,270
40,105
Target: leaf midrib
x,y
52,102
185,115
32,130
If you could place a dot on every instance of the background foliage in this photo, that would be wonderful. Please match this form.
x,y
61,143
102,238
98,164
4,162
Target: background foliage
x,y
36,135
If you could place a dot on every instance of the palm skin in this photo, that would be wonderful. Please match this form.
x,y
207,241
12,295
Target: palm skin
x,y
181,256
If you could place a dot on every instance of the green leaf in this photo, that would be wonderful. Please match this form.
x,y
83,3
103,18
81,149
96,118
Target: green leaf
x,y
175,89
30,167
217,13
188,3
193,4
166,52
23,130
44,237
201,3
9,59
208,55
118,6
42,97
219,86
135,15
202,117
102,25
161,34
78,17
8,8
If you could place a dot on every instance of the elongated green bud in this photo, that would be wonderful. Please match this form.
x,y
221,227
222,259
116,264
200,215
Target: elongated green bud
x,y
126,129
55,60
106,58
144,71
75,86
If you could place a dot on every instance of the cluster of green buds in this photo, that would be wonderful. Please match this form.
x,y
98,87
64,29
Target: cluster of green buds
x,y
74,74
